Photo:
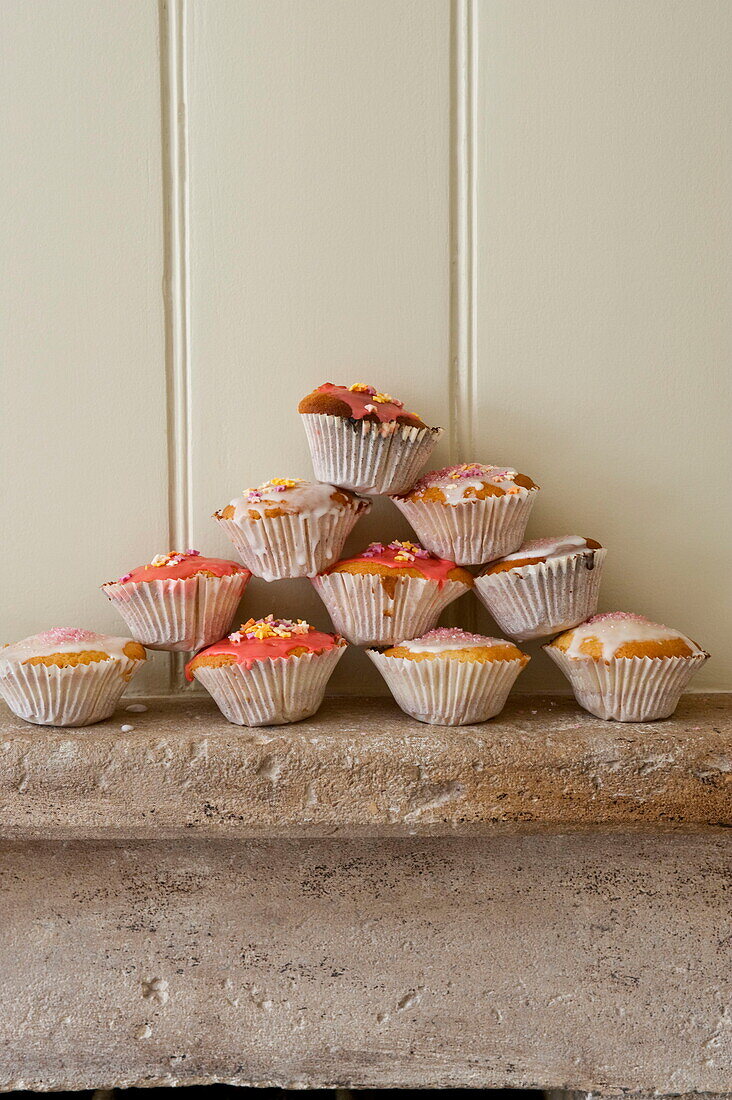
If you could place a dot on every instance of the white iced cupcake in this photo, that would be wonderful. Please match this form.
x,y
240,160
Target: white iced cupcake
x,y
365,440
179,601
626,667
545,586
67,677
448,677
289,527
471,513
269,672
389,592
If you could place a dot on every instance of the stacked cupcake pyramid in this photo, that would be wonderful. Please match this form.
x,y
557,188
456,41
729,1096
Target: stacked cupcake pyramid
x,y
273,671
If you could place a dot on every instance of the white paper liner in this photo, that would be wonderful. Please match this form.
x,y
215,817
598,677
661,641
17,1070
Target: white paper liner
x,y
273,692
473,532
299,545
536,601
364,613
628,689
179,615
446,692
72,696
366,457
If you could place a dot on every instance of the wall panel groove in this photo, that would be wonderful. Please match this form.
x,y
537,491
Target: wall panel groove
x,y
463,235
173,15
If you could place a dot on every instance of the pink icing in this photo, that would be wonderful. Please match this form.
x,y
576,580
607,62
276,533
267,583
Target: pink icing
x,y
362,403
403,555
247,650
181,566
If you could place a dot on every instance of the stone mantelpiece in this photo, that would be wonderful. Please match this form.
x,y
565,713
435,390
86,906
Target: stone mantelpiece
x,y
362,768
173,910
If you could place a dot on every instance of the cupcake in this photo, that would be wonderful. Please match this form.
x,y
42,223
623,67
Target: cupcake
x,y
289,527
470,513
268,672
545,586
67,677
625,667
365,440
450,678
179,601
389,592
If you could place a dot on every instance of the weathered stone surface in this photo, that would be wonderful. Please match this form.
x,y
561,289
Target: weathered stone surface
x,y
564,1094
598,963
361,767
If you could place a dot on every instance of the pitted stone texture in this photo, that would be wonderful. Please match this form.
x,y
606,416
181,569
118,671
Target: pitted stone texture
x,y
594,963
362,767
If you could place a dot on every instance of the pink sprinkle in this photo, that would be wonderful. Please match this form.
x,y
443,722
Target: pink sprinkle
x,y
193,553
373,549
123,580
66,634
370,408
465,470
455,634
619,617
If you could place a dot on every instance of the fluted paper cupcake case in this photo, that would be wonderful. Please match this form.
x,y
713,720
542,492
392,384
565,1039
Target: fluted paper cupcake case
x,y
536,601
180,615
77,695
279,547
364,613
366,457
628,689
473,532
447,692
273,692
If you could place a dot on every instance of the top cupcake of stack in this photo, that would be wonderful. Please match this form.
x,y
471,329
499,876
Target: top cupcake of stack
x,y
364,440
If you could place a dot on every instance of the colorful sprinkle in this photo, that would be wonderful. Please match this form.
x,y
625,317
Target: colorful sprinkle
x,y
173,557
274,485
269,627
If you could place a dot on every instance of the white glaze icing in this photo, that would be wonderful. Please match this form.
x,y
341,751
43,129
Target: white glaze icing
x,y
63,640
445,640
560,547
618,628
454,481
314,498
306,538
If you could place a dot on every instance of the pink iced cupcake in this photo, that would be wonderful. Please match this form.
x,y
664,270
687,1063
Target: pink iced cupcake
x,y
389,592
269,672
470,513
179,601
365,440
67,677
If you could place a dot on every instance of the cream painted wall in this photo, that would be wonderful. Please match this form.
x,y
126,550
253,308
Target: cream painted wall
x,y
512,213
83,411
603,344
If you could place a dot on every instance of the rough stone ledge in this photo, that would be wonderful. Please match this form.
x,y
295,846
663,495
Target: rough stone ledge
x,y
362,768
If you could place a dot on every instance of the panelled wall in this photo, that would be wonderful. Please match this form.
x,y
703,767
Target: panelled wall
x,y
514,214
